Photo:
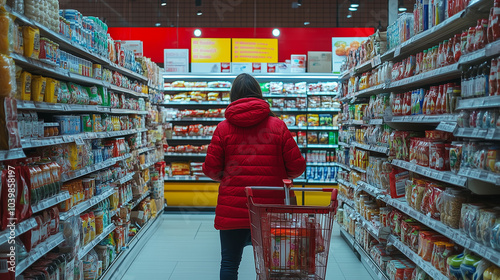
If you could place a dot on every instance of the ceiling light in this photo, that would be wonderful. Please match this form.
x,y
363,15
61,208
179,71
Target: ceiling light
x,y
402,9
158,24
299,3
353,9
164,2
197,32
306,23
354,5
276,32
199,13
349,15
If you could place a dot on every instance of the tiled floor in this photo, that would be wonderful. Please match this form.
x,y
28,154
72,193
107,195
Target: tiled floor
x,y
187,247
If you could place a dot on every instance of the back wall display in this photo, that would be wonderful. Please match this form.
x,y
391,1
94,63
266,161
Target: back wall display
x,y
291,40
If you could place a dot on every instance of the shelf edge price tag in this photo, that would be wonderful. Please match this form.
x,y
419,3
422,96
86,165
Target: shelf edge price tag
x,y
491,133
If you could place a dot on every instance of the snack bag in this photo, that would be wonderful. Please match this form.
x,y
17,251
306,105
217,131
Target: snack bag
x,y
8,86
31,42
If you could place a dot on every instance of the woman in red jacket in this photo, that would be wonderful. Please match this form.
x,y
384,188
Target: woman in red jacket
x,y
252,147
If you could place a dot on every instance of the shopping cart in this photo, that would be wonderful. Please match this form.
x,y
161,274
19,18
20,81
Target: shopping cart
x,y
289,241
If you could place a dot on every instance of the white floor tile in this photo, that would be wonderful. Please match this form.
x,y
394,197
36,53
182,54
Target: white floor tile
x,y
186,246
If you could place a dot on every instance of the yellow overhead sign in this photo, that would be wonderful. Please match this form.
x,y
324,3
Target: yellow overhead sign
x,y
210,50
255,50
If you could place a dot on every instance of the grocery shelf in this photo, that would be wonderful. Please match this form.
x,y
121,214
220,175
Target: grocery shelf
x,y
490,134
185,155
11,154
125,179
346,200
321,182
481,175
182,103
479,102
39,251
187,179
288,109
321,164
343,144
126,90
141,198
59,107
61,139
297,127
84,206
196,120
147,165
441,74
368,92
454,234
424,265
328,128
190,138
51,201
443,176
283,95
373,269
300,180
359,169
115,67
343,166
85,249
128,111
122,262
145,149
372,190
178,89
323,93
376,122
89,169
346,183
422,119
327,110
325,146
378,233
373,148
39,67
20,228
447,126
443,31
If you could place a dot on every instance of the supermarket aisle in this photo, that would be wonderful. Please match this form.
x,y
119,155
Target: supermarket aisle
x,y
187,244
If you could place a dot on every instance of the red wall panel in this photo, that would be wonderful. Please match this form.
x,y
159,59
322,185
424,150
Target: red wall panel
x,y
291,40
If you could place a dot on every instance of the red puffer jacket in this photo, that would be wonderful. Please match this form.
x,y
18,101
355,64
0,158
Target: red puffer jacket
x,y
250,148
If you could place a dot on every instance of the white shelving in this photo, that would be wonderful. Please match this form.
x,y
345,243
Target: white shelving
x,y
85,249
89,169
21,228
197,120
283,95
443,176
11,154
346,200
347,184
141,198
323,128
188,178
185,154
428,119
359,169
178,89
146,165
39,251
84,206
322,164
191,138
195,103
51,201
343,166
145,149
373,148
325,146
426,266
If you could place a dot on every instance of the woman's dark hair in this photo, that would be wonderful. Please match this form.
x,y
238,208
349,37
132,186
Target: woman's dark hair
x,y
246,86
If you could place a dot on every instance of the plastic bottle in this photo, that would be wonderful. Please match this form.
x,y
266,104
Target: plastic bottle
x,y
493,78
471,37
494,22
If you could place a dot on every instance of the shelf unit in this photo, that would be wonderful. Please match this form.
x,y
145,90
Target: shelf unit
x,y
124,259
286,77
375,271
52,70
480,182
39,251
105,232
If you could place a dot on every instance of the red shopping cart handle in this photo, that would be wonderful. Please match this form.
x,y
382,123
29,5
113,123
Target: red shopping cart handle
x,y
249,190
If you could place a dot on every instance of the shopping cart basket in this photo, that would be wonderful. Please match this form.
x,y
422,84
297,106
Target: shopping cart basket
x,y
289,241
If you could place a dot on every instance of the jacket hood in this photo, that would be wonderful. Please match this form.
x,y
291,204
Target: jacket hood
x,y
247,112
